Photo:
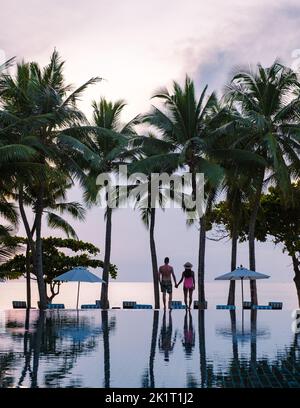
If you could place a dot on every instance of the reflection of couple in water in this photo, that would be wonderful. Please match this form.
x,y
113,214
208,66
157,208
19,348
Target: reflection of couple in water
x,y
166,273
188,340
167,341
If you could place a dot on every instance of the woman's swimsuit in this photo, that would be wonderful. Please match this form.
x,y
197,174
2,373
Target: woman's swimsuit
x,y
188,282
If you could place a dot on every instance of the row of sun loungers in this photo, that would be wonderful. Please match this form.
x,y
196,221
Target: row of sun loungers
x,y
18,304
175,304
248,305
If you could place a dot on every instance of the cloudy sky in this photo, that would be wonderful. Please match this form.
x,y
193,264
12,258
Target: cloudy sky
x,y
138,46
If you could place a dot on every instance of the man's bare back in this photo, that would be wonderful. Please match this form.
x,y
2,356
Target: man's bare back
x,y
166,272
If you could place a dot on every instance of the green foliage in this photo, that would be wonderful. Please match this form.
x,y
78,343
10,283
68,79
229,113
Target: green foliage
x,y
276,219
56,261
281,220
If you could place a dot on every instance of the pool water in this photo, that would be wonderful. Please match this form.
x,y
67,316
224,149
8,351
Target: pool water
x,y
146,348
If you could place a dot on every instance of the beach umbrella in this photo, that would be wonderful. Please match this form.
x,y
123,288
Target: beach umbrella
x,y
242,274
79,274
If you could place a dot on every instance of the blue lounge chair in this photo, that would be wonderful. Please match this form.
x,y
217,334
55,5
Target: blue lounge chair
x,y
90,307
177,304
261,307
19,304
276,305
227,307
137,306
56,306
129,304
98,303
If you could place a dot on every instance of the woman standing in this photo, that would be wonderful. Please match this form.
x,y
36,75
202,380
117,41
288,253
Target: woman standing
x,y
188,276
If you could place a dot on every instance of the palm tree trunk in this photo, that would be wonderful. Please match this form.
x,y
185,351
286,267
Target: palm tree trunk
x,y
234,240
105,334
153,347
28,278
105,274
201,263
27,352
251,237
202,242
202,348
34,247
253,318
37,348
154,259
28,270
296,265
39,250
234,336
26,224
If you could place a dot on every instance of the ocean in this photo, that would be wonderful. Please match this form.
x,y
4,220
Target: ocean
x,y
142,292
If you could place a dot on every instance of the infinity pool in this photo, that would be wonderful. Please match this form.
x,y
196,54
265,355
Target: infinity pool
x,y
145,348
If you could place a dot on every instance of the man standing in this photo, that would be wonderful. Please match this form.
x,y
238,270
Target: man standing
x,y
165,273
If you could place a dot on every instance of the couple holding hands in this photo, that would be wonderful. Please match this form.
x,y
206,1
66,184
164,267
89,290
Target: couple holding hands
x,y
166,272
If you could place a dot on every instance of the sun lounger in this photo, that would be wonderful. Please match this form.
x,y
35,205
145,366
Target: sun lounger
x,y
98,303
247,305
19,304
137,306
276,305
261,307
227,307
129,304
196,305
90,307
177,304
56,306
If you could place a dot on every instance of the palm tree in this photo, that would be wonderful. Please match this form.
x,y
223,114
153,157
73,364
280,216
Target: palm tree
x,y
44,125
186,124
267,102
109,144
54,206
236,182
151,146
148,378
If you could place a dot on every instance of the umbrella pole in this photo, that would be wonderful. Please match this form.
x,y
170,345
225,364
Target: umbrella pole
x,y
78,294
242,292
242,285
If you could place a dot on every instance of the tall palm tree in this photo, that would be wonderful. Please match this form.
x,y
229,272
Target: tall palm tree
x,y
54,206
109,144
41,116
236,182
267,102
148,147
186,123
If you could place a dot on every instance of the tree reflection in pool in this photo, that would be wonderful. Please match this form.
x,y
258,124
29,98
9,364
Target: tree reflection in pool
x,y
145,348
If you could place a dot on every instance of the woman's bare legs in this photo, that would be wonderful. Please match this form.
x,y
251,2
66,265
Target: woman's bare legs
x,y
185,292
190,297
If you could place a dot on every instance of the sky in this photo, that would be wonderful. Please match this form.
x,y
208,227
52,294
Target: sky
x,y
137,47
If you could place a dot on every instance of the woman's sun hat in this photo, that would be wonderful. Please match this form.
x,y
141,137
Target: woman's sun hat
x,y
188,265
